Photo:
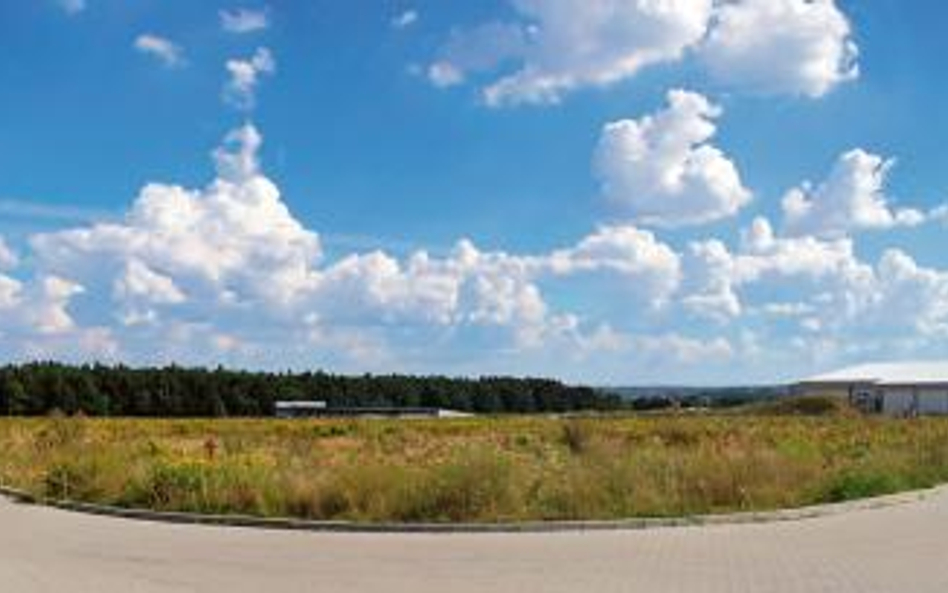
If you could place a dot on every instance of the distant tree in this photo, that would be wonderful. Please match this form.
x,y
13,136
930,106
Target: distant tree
x,y
91,400
15,396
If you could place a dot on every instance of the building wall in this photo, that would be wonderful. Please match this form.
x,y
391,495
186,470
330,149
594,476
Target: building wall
x,y
933,401
898,401
923,400
895,400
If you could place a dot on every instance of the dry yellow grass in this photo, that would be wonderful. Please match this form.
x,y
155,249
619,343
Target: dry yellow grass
x,y
483,469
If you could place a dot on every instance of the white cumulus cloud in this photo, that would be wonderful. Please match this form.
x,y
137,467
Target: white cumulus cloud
x,y
226,273
194,269
662,170
625,253
444,74
36,310
405,19
554,47
169,53
8,258
561,45
474,288
244,20
835,299
801,47
806,265
711,290
852,198
910,294
47,308
234,241
139,286
244,76
670,350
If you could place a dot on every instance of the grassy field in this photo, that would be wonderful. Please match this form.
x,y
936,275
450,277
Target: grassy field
x,y
481,469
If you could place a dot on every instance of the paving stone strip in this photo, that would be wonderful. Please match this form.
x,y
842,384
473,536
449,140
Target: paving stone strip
x,y
895,548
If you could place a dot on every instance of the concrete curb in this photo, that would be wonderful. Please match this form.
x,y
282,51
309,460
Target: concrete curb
x,y
287,524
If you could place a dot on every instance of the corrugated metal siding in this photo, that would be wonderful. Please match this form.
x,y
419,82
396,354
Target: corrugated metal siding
x,y
898,402
933,401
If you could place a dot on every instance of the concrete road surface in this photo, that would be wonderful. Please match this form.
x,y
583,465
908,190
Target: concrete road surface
x,y
901,549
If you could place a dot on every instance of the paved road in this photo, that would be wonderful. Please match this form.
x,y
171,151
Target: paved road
x,y
900,549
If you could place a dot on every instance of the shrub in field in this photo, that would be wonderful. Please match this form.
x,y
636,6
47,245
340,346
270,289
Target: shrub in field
x,y
200,486
329,503
860,484
479,485
168,485
363,492
73,479
309,495
60,431
574,494
931,458
472,487
576,435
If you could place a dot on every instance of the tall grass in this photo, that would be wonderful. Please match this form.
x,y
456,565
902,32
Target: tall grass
x,y
480,469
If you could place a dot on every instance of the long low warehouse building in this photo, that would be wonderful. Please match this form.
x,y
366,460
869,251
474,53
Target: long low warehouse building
x,y
320,409
896,388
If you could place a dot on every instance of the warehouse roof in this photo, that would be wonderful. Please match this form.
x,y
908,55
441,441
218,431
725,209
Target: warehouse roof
x,y
889,373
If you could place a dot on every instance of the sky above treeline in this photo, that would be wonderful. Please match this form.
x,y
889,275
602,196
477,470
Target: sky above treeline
x,y
604,191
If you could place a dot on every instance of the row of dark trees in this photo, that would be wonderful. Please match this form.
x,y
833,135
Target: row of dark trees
x,y
40,388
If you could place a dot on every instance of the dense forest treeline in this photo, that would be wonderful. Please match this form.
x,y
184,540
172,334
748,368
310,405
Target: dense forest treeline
x,y
97,390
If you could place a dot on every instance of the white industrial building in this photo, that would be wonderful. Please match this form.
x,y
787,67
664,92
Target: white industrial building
x,y
896,388
320,409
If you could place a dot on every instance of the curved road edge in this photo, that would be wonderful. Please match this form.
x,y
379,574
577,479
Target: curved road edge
x,y
640,523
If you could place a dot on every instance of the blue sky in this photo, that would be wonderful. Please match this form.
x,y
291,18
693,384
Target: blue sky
x,y
702,191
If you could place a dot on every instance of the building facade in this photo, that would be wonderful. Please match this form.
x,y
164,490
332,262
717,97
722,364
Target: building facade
x,y
319,409
895,389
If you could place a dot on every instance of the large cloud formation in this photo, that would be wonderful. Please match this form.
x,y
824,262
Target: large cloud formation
x,y
798,47
226,273
235,239
662,170
836,293
228,268
567,44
